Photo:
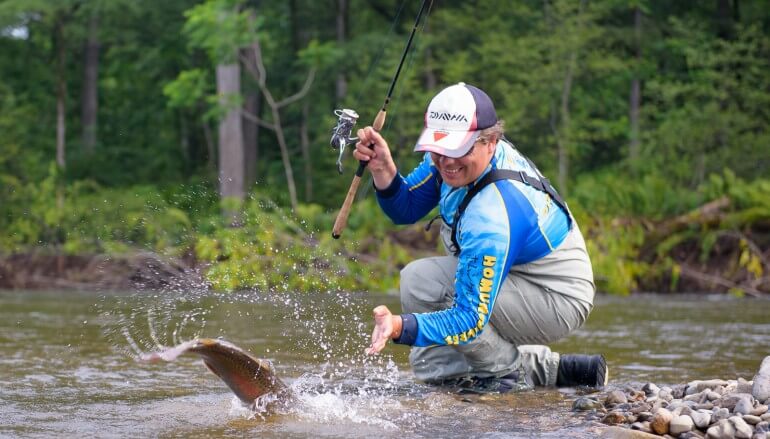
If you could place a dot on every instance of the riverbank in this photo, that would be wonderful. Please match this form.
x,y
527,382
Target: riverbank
x,y
731,267
137,271
717,409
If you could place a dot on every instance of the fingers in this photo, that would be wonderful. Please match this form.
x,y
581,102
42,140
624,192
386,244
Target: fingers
x,y
369,141
383,328
380,312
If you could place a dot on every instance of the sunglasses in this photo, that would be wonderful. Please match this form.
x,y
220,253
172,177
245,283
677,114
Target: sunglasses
x,y
436,156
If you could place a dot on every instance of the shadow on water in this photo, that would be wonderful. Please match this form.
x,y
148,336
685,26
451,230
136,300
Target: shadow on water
x,y
67,365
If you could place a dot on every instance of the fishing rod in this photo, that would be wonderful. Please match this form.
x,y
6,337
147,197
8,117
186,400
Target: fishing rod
x,y
341,135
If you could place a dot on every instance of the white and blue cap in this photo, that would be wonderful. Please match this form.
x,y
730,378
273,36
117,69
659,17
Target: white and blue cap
x,y
455,117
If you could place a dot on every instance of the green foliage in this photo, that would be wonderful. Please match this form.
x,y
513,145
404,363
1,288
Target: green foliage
x,y
86,218
151,181
218,27
272,250
189,88
613,245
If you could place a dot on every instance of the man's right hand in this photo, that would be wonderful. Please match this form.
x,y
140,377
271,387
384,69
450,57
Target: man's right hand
x,y
381,163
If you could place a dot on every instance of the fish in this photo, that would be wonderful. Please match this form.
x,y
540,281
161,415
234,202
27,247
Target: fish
x,y
253,381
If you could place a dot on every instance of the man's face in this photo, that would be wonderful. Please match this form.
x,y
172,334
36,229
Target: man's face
x,y
466,169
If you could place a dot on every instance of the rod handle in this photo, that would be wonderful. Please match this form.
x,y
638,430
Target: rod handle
x,y
342,217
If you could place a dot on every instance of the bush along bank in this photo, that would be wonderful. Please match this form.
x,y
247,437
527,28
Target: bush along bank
x,y
717,241
655,237
716,409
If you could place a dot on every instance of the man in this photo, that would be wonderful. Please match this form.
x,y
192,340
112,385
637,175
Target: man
x,y
518,273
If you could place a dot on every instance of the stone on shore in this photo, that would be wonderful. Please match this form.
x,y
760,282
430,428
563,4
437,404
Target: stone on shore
x,y
680,424
702,409
661,420
761,387
624,433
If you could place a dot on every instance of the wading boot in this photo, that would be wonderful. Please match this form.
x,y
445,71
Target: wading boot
x,y
515,381
582,370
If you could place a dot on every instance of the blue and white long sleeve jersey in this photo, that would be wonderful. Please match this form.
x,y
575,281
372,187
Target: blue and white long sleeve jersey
x,y
506,223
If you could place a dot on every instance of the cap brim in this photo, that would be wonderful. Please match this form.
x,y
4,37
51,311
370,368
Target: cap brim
x,y
450,143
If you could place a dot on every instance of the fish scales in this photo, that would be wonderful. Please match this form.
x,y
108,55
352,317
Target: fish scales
x,y
249,378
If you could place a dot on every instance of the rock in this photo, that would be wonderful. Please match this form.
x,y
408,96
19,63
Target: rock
x,y
701,418
640,407
765,417
697,397
680,424
743,386
721,430
661,420
614,418
719,414
650,389
616,397
641,426
760,389
695,434
675,406
731,400
762,427
759,410
751,419
712,395
742,429
659,403
699,385
678,392
743,407
584,404
644,416
637,395
665,394
704,406
624,433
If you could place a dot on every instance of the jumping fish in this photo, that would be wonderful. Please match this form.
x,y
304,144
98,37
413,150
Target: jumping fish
x,y
249,378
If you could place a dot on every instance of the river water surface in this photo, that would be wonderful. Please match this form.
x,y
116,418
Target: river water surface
x,y
67,365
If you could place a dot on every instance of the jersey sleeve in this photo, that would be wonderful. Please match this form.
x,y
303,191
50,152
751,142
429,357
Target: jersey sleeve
x,y
410,198
491,233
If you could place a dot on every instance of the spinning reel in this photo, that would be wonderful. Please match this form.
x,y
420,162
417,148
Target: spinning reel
x,y
341,134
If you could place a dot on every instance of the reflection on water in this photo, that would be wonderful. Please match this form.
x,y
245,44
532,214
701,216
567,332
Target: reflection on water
x,y
67,367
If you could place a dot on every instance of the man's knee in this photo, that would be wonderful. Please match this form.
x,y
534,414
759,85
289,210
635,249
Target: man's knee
x,y
426,284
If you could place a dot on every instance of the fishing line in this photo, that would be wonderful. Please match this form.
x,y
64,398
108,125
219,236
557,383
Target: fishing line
x,y
376,60
410,61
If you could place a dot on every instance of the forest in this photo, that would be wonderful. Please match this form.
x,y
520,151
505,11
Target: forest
x,y
196,135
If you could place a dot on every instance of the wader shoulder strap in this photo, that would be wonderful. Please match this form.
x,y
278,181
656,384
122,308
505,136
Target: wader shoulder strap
x,y
542,184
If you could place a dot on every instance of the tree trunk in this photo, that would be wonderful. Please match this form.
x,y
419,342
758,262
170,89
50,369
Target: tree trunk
x,y
260,75
231,169
635,98
61,94
90,104
252,105
724,19
304,143
431,82
342,22
211,147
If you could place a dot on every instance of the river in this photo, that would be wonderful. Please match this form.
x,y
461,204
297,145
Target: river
x,y
67,365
